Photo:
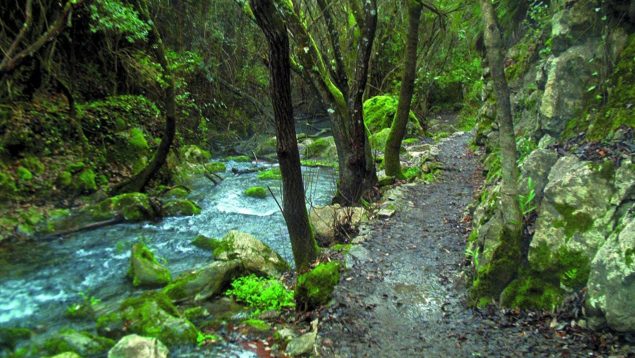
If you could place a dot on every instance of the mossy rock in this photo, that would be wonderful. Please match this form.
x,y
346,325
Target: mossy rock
x,y
266,146
131,206
135,346
180,207
205,282
82,343
11,336
85,181
33,164
151,315
24,174
530,291
145,270
215,167
178,192
256,192
194,154
204,242
379,112
7,185
320,148
315,287
254,255
270,174
378,139
137,139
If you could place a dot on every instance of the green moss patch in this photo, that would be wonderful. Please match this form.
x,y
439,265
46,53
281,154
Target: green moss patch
x,y
215,167
270,174
531,292
261,294
315,287
180,207
380,111
256,192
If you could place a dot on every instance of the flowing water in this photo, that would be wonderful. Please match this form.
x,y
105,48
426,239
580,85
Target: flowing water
x,y
39,280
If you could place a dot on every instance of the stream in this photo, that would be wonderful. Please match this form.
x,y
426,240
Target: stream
x,y
39,280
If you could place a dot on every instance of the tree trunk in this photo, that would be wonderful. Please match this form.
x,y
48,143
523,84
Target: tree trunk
x,y
399,124
139,181
506,258
294,207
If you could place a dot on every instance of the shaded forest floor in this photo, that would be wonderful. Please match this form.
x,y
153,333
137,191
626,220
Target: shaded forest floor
x,y
404,293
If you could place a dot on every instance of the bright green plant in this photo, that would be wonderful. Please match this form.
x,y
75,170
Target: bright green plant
x,y
113,16
261,294
472,253
526,201
204,338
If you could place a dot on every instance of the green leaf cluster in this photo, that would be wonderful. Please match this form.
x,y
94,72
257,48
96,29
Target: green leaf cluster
x,y
261,294
113,16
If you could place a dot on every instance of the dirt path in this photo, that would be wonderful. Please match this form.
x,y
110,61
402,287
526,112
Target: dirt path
x,y
404,292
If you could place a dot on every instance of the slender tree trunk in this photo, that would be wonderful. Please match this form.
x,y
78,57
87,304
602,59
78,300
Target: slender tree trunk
x,y
295,213
399,124
139,181
506,258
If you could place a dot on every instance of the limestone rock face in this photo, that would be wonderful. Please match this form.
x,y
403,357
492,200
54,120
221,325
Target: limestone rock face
x,y
537,167
568,80
611,286
326,219
574,25
253,254
135,346
576,211
145,270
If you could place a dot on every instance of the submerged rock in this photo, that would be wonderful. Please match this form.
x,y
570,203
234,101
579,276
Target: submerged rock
x,y
145,270
253,254
9,337
135,346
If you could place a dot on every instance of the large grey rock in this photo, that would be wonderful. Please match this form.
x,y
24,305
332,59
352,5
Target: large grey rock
x,y
326,220
490,236
537,166
576,212
577,21
205,282
568,78
80,342
135,346
253,254
611,286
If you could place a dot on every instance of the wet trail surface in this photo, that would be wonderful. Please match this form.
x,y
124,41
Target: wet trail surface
x,y
404,293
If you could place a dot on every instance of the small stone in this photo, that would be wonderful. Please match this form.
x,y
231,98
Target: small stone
x,y
386,213
301,345
133,346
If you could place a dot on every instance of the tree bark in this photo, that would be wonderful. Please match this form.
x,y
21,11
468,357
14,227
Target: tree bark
x,y
400,122
293,202
507,257
357,174
139,181
13,59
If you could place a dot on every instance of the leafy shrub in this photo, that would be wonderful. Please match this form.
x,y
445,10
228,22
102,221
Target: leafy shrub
x,y
261,294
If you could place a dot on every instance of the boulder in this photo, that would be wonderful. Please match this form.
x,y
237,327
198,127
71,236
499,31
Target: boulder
x,y
205,282
611,286
319,148
569,77
537,166
149,315
576,212
304,344
575,23
129,206
327,219
134,346
82,343
145,270
180,207
11,336
253,254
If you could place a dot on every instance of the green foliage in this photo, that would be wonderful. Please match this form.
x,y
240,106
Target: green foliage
x,y
86,181
261,294
83,309
115,17
380,111
411,173
206,338
24,174
137,139
256,192
472,252
526,201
